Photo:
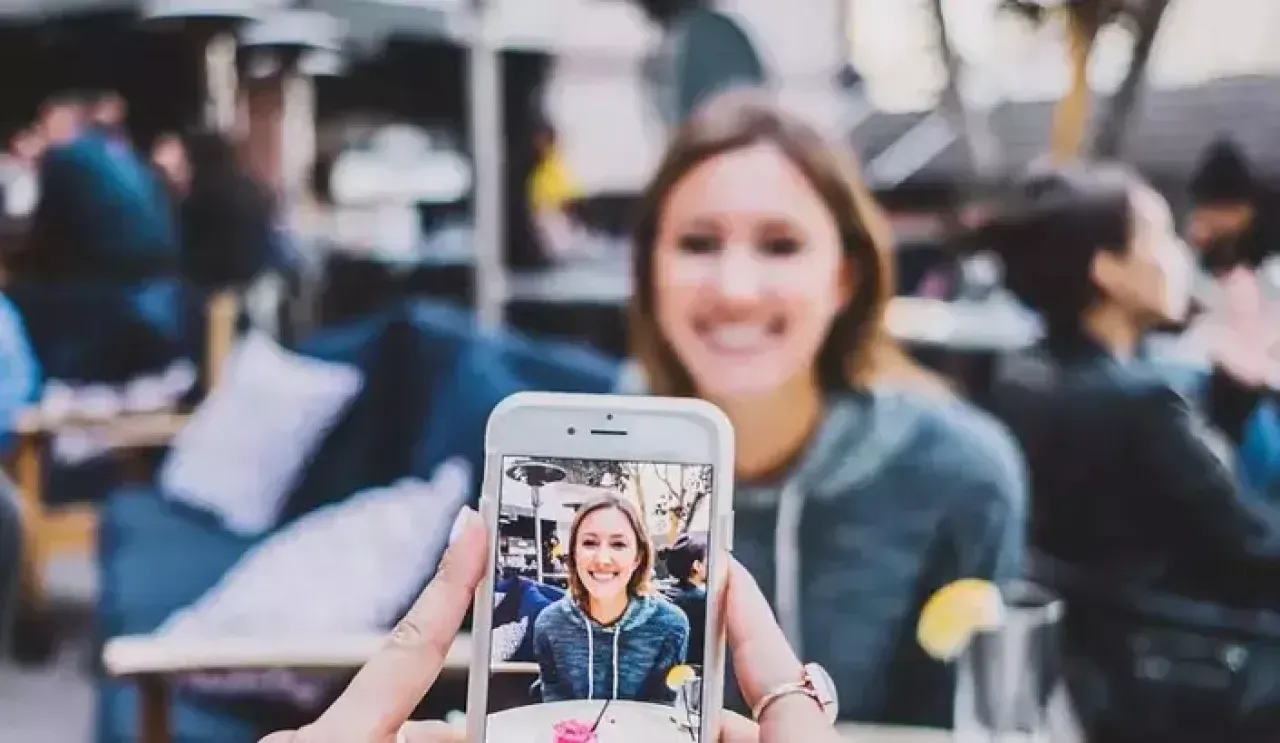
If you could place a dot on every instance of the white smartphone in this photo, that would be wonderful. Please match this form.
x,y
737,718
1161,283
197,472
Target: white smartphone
x,y
610,519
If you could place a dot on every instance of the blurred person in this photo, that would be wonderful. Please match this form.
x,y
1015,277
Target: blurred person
x,y
226,218
107,111
762,271
376,705
19,173
61,119
169,158
1133,493
103,214
611,637
552,188
686,561
1230,224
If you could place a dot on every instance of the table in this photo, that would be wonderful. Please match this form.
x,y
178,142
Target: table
x,y
623,722
637,722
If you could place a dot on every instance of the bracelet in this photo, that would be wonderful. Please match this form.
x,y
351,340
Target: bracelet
x,y
815,684
785,690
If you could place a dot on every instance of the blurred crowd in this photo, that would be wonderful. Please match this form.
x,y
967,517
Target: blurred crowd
x,y
91,204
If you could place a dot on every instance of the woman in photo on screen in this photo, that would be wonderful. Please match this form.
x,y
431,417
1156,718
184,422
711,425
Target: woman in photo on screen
x,y
612,637
686,561
763,271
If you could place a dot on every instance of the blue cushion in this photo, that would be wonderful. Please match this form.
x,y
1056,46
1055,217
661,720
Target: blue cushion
x,y
156,557
374,442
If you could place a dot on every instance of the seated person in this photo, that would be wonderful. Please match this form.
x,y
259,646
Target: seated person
x,y
102,216
517,604
686,560
611,637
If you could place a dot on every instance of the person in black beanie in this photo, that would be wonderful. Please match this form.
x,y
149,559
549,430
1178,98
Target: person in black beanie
x,y
1228,225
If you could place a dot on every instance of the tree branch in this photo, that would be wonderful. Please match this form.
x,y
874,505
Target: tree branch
x,y
1110,139
981,144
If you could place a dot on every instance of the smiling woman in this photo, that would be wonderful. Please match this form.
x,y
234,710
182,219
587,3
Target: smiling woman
x,y
763,268
612,604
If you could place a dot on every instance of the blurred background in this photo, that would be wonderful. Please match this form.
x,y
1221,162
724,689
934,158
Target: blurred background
x,y
389,186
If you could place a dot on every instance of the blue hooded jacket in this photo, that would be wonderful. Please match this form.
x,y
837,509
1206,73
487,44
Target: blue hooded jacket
x,y
578,658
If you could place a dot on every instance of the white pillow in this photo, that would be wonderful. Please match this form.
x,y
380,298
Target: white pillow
x,y
346,568
245,447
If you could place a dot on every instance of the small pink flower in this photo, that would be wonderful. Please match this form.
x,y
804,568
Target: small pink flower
x,y
574,731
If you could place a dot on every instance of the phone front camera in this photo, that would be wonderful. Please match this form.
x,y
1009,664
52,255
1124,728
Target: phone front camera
x,y
572,430
609,417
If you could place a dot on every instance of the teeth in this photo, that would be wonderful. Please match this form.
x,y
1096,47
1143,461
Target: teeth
x,y
738,337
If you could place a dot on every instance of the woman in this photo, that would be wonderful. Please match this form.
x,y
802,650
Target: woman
x,y
611,637
1133,495
686,560
762,271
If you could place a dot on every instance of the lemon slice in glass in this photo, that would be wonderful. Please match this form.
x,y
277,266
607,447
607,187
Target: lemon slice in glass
x,y
957,611
680,675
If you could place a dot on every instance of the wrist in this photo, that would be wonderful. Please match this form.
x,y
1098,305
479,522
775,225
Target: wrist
x,y
793,709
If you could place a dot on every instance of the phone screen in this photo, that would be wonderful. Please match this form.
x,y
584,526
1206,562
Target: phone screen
x,y
600,605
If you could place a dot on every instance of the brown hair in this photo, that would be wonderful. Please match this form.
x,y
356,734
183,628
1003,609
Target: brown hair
x,y
639,584
857,350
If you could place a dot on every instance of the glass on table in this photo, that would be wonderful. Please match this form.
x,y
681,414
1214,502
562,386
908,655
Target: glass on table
x,y
688,705
1007,677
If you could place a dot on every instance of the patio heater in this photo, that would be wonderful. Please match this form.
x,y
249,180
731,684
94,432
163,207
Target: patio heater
x,y
290,48
211,25
293,47
536,475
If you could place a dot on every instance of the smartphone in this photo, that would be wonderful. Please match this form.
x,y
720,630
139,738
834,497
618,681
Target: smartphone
x,y
610,519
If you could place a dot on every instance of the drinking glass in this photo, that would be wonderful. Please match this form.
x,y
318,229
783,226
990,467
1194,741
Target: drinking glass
x,y
1007,676
689,704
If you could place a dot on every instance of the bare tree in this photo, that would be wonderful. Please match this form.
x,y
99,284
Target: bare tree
x,y
701,489
1084,20
671,504
974,125
1109,140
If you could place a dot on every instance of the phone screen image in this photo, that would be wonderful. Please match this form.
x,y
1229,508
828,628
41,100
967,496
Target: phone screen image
x,y
600,601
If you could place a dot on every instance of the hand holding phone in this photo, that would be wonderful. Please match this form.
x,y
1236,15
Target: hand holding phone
x,y
376,705
609,517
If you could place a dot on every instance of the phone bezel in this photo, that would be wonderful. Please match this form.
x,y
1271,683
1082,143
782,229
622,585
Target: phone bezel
x,y
657,429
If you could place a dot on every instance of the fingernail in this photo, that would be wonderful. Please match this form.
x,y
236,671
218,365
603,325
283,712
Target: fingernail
x,y
460,523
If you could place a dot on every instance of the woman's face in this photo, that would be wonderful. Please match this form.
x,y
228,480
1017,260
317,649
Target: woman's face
x,y
606,553
170,157
749,273
1159,269
698,573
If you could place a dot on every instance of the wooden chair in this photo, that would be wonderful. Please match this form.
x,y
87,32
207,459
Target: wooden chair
x,y
49,533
